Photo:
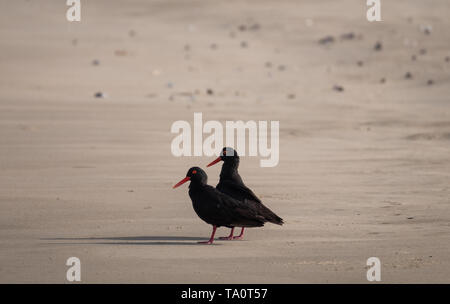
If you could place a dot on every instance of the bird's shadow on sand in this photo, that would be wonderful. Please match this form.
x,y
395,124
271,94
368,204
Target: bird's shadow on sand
x,y
130,240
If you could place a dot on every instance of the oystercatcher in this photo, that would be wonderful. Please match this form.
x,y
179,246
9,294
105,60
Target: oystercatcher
x,y
231,184
217,208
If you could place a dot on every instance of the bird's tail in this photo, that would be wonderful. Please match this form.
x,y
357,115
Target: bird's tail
x,y
270,216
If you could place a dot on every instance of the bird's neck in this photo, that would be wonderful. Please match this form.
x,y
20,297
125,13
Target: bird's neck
x,y
230,171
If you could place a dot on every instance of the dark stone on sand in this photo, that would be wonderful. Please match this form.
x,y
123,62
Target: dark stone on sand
x,y
383,80
242,27
99,95
378,46
209,92
423,51
408,75
430,82
360,63
338,88
326,40
348,36
447,58
244,44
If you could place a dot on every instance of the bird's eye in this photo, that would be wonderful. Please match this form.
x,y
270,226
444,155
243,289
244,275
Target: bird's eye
x,y
194,172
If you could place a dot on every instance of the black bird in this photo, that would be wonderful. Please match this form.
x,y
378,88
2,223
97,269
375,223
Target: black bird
x,y
217,208
231,184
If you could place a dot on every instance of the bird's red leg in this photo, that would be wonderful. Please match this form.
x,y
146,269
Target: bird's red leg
x,y
230,237
240,236
211,239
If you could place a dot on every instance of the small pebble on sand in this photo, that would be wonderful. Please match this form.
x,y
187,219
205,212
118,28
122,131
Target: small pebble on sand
x,y
447,59
430,81
242,27
423,51
209,92
383,80
100,95
360,63
378,46
408,75
348,36
326,40
244,44
95,62
413,57
338,88
426,29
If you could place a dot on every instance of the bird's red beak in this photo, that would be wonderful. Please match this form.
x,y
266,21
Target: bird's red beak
x,y
181,182
215,161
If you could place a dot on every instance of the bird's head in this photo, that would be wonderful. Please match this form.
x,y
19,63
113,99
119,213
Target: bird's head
x,y
196,175
228,155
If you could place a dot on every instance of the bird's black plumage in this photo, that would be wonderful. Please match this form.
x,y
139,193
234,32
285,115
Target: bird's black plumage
x,y
217,208
231,184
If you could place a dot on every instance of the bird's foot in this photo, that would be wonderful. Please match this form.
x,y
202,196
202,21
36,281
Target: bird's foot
x,y
205,242
240,237
226,238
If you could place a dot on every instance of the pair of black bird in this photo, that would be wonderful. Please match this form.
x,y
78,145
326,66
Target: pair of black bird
x,y
231,203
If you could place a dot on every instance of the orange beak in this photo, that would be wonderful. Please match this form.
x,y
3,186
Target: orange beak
x,y
215,161
181,182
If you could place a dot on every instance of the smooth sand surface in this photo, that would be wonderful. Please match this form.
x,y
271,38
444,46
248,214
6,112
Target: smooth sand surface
x,y
363,173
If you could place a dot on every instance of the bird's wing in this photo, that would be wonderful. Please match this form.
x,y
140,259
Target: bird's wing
x,y
231,211
240,213
237,190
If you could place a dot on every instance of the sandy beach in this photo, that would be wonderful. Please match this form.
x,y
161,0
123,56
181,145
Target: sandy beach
x,y
364,166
